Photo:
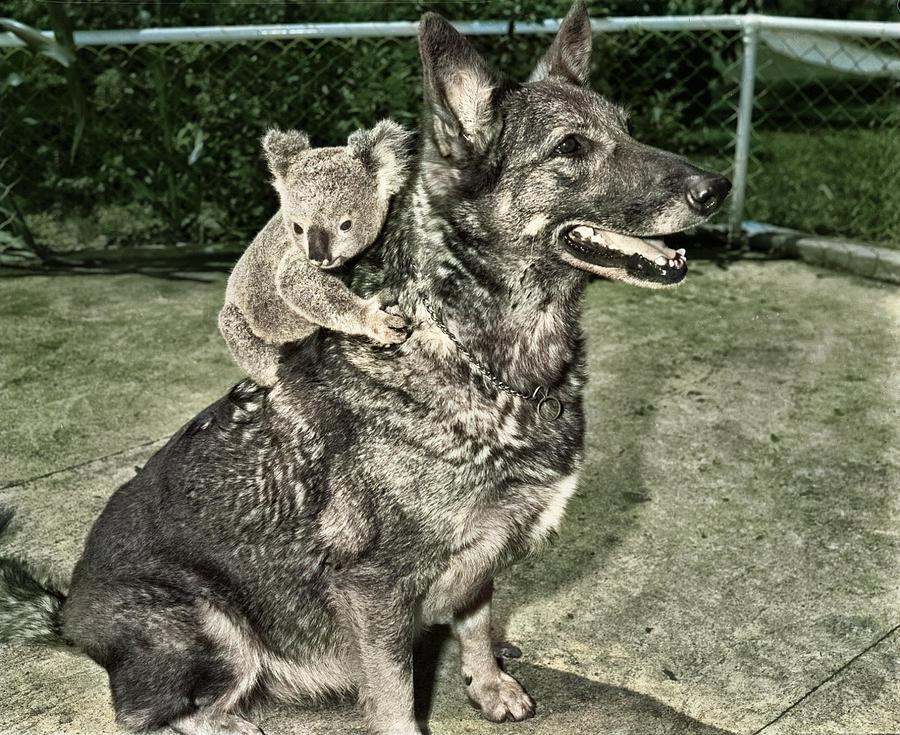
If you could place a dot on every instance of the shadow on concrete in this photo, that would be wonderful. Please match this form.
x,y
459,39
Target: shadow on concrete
x,y
566,702
431,649
592,707
611,487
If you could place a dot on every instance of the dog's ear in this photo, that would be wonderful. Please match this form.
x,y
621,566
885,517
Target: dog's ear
x,y
569,56
459,88
281,147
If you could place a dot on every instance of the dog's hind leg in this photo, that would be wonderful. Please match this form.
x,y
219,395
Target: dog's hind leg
x,y
239,650
156,683
498,695
171,658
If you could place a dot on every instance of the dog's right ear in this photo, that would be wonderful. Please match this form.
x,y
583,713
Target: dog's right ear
x,y
569,56
282,147
459,89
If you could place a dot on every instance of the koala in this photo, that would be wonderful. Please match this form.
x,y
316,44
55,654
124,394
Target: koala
x,y
333,204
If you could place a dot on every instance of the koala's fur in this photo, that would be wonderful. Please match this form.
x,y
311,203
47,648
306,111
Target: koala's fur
x,y
333,204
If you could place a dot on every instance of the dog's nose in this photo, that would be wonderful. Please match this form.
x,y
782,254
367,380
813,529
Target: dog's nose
x,y
318,245
705,192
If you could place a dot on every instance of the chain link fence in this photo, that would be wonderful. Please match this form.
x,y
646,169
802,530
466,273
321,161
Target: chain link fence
x,y
151,137
824,155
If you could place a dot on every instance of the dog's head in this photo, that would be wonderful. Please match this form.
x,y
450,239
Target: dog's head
x,y
549,165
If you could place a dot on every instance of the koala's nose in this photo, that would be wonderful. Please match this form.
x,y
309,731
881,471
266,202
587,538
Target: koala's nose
x,y
318,244
706,192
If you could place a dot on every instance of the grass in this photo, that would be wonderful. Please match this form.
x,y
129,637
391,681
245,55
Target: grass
x,y
844,183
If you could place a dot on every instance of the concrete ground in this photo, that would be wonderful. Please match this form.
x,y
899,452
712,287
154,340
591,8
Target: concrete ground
x,y
730,563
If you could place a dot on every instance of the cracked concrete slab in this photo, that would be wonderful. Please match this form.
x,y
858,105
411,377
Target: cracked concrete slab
x,y
862,698
734,540
72,389
54,514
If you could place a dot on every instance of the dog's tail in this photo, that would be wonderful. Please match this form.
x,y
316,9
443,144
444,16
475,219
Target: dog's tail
x,y
30,599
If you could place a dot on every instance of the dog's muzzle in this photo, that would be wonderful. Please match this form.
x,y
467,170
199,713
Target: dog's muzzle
x,y
642,258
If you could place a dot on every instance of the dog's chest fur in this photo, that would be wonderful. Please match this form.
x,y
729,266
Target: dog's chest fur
x,y
447,485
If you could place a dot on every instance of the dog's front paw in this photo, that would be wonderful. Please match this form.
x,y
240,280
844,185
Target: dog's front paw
x,y
501,698
206,723
389,329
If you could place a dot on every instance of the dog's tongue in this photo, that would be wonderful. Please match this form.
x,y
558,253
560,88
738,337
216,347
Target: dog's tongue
x,y
645,247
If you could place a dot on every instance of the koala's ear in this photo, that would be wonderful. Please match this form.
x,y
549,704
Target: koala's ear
x,y
385,152
282,147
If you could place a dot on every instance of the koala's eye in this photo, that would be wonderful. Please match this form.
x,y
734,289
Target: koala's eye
x,y
298,229
346,224
571,145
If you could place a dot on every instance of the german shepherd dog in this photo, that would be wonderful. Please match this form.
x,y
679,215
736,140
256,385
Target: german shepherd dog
x,y
293,541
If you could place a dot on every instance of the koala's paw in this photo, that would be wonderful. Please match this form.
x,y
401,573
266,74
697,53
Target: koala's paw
x,y
389,329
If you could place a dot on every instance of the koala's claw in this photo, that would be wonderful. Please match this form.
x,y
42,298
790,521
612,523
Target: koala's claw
x,y
387,328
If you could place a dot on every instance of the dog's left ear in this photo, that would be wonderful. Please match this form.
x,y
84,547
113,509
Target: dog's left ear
x,y
459,88
569,56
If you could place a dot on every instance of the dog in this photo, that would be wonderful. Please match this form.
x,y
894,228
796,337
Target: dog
x,y
291,542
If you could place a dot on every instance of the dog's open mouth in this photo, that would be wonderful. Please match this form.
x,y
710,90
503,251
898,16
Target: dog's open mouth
x,y
643,259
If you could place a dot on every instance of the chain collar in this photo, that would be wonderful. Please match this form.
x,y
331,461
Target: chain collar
x,y
548,407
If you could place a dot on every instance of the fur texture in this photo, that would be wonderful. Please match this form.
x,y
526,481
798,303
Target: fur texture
x,y
295,540
30,598
333,204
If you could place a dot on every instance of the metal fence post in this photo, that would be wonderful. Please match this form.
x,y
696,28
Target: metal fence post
x,y
750,38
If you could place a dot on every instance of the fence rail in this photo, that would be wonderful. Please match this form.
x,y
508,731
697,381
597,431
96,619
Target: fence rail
x,y
814,106
395,29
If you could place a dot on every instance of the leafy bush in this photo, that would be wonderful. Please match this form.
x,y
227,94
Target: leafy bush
x,y
122,224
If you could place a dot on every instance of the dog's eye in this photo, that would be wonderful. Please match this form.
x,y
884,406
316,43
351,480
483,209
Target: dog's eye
x,y
297,228
569,146
346,224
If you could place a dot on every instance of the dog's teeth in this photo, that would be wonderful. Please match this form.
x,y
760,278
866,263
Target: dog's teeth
x,y
661,260
583,232
682,252
671,263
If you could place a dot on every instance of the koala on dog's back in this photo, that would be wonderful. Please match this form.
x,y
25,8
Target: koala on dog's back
x,y
333,204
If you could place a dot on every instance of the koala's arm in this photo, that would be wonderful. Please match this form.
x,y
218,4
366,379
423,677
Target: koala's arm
x,y
327,301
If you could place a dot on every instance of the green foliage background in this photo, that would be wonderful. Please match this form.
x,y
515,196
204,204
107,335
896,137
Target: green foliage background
x,y
170,153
